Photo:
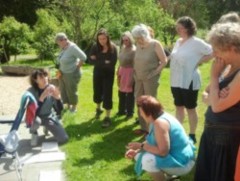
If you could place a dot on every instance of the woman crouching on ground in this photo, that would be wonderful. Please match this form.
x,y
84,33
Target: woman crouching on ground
x,y
49,107
167,149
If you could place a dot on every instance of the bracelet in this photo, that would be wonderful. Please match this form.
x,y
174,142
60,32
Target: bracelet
x,y
142,145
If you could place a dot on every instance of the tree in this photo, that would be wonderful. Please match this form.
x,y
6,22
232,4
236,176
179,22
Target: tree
x,y
23,11
151,14
44,32
14,38
216,8
193,8
85,18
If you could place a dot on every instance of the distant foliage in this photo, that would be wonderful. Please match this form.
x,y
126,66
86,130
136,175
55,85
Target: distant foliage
x,y
81,19
149,13
195,9
23,11
216,8
87,17
45,30
14,38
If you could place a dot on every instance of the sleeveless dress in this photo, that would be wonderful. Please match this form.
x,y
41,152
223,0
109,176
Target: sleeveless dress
x,y
181,148
145,61
219,143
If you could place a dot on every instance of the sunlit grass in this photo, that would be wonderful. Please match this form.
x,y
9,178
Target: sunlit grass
x,y
97,154
94,153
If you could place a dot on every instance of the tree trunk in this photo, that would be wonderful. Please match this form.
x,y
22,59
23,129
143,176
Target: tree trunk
x,y
4,58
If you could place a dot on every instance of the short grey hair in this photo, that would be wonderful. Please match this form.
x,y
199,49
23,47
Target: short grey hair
x,y
229,17
61,36
141,30
225,35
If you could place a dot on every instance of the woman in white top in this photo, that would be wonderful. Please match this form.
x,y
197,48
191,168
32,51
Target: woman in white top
x,y
188,52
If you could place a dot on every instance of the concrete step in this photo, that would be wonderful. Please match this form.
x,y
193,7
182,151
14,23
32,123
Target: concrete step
x,y
55,175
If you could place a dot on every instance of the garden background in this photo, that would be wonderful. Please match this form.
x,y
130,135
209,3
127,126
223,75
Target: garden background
x,y
29,26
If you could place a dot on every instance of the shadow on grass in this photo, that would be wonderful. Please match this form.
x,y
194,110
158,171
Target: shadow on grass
x,y
105,146
113,142
88,128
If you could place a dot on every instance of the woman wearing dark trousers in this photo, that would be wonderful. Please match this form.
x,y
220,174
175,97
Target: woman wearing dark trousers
x,y
49,107
104,56
125,76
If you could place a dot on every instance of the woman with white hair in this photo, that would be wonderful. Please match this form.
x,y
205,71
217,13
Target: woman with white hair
x,y
148,63
70,60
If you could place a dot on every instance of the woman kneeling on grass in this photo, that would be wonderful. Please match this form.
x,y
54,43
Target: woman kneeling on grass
x,y
167,149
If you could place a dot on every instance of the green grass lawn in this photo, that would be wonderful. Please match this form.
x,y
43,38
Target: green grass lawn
x,y
96,154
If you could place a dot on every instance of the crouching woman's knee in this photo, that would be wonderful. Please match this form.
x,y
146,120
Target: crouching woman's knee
x,y
62,138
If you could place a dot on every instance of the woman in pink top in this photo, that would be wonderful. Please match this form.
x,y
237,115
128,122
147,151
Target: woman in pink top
x,y
125,76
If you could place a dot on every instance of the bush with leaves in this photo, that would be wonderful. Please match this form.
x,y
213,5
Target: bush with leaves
x,y
14,38
44,32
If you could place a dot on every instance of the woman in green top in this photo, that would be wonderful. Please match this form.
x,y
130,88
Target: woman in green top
x,y
70,60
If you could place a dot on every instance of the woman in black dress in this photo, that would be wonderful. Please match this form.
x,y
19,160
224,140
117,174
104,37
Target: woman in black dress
x,y
221,136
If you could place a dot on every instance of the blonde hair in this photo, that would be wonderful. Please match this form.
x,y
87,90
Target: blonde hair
x,y
151,31
129,36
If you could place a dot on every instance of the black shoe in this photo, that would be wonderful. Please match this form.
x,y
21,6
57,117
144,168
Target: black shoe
x,y
129,116
106,122
193,138
120,113
98,113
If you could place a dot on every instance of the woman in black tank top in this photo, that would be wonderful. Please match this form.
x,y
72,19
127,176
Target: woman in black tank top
x,y
221,136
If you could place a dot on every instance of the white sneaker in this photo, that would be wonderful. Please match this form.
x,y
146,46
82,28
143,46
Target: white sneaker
x,y
34,140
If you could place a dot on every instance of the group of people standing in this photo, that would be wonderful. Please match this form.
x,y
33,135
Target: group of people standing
x,y
167,149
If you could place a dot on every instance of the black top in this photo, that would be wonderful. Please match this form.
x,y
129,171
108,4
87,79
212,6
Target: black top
x,y
230,115
104,60
45,108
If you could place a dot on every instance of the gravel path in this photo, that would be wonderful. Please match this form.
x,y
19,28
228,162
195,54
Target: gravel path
x,y
11,90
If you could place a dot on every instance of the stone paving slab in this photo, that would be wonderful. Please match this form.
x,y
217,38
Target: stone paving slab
x,y
30,171
45,175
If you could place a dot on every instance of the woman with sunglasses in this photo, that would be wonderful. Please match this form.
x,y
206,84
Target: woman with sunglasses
x,y
125,76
